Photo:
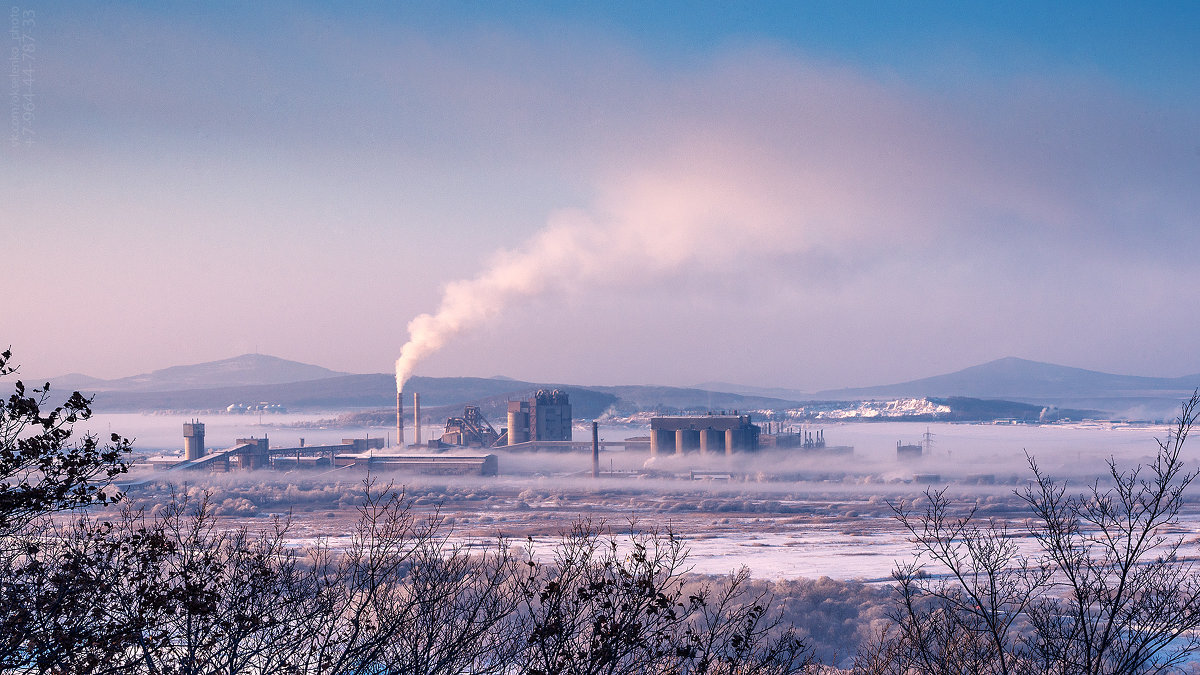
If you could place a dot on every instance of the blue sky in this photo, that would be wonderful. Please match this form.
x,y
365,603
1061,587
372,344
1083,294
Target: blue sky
x,y
799,194
1150,45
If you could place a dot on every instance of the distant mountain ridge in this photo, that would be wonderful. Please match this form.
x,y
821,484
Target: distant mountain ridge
x,y
379,391
244,370
1021,379
253,378
256,378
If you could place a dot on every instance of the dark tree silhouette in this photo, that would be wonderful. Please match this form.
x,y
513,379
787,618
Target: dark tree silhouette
x,y
43,470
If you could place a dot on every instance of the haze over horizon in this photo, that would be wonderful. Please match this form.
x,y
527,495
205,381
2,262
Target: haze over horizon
x,y
806,197
269,369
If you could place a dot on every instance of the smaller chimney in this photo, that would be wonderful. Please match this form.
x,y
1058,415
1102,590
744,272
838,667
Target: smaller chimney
x,y
595,449
399,420
417,417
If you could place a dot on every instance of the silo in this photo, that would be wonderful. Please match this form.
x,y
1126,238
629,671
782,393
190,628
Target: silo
x,y
711,441
193,440
662,442
687,440
518,422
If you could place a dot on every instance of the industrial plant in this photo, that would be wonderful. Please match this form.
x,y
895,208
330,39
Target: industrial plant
x,y
915,451
257,453
542,422
804,441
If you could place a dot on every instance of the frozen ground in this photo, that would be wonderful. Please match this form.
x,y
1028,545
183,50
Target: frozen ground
x,y
785,515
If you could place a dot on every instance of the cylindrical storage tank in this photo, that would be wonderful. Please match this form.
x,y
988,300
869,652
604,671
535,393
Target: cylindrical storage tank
x,y
729,441
711,441
518,427
662,442
687,440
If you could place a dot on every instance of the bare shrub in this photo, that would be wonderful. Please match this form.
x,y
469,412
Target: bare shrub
x,y
1106,591
608,604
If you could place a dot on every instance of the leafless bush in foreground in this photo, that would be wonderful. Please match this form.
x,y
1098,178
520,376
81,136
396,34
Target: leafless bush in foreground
x,y
1106,592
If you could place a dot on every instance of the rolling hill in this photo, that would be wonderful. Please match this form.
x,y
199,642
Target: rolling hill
x,y
254,378
1020,379
244,370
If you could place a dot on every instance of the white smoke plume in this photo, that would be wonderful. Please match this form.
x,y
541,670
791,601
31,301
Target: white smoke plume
x,y
554,253
854,172
648,225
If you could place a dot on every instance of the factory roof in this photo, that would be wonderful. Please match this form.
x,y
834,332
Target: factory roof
x,y
715,422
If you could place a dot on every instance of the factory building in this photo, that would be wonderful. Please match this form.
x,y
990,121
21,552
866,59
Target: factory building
x,y
707,434
549,416
255,454
911,452
908,451
544,417
442,465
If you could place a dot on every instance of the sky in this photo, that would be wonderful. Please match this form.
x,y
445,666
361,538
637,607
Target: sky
x,y
806,195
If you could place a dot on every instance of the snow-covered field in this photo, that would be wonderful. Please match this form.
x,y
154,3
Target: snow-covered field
x,y
785,514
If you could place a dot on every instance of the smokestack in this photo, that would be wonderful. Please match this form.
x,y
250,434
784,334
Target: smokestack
x,y
399,420
595,450
417,417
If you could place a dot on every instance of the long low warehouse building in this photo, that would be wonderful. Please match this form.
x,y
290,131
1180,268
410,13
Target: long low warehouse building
x,y
481,465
